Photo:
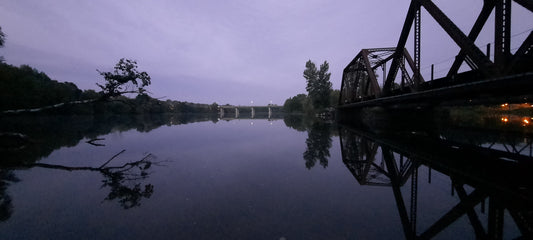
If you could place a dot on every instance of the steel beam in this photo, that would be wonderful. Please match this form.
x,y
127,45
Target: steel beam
x,y
528,4
502,33
398,54
455,213
525,50
414,199
411,63
521,220
375,90
495,223
400,204
416,70
472,216
477,56
383,61
474,33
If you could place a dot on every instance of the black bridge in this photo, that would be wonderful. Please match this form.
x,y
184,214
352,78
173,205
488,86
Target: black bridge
x,y
507,78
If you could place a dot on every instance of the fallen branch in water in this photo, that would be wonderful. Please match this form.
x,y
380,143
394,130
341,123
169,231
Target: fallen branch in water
x,y
123,150
125,167
93,142
30,110
124,181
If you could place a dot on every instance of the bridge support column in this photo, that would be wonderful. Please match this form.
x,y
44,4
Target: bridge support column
x,y
253,113
269,112
221,112
236,112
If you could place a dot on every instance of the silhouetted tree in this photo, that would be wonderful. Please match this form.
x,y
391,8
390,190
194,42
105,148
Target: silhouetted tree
x,y
318,84
124,79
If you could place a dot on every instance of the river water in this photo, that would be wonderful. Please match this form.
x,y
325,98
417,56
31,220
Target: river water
x,y
190,177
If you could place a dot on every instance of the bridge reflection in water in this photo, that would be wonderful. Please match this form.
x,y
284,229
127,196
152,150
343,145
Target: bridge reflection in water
x,y
478,173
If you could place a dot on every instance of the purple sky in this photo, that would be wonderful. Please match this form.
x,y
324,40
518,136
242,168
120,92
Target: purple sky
x,y
234,51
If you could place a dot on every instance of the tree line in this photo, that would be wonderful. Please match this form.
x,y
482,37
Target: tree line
x,y
25,87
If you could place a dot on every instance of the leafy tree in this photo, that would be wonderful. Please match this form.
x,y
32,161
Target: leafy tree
x,y
124,79
295,104
318,84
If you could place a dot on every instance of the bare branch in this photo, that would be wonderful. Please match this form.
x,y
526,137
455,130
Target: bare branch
x,y
111,159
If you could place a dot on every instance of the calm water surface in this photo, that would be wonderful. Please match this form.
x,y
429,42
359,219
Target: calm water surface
x,y
191,178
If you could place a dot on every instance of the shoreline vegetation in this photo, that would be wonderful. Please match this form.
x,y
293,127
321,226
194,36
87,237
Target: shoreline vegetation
x,y
26,90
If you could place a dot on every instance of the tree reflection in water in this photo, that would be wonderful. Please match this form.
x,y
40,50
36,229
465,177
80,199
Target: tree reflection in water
x,y
6,206
318,140
318,144
44,134
125,181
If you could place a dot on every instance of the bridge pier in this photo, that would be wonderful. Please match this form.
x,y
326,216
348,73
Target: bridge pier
x,y
236,112
221,112
253,112
269,112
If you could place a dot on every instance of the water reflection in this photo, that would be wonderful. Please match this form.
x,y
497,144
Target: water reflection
x,y
6,206
478,167
318,144
45,134
319,138
26,140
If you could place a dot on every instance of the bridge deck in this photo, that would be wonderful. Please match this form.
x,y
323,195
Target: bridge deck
x,y
459,91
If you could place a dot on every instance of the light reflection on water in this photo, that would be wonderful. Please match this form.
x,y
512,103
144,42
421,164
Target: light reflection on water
x,y
222,179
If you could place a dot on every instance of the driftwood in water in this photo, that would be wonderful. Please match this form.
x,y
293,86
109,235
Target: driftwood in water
x,y
32,110
94,143
122,168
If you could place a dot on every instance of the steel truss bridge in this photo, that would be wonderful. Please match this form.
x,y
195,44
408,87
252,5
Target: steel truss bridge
x,y
507,78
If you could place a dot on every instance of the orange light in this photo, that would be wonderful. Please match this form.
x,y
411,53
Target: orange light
x,y
525,121
505,119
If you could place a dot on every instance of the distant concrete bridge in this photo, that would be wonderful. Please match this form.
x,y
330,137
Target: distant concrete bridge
x,y
251,111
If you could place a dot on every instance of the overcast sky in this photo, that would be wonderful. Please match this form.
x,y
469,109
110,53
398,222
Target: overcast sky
x,y
234,51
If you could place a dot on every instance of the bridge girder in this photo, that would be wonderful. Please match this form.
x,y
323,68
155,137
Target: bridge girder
x,y
360,79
